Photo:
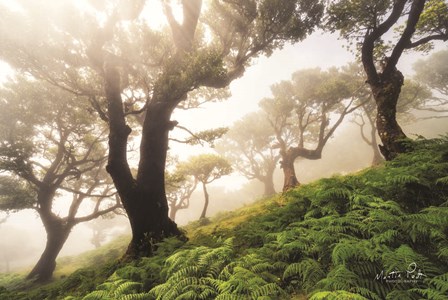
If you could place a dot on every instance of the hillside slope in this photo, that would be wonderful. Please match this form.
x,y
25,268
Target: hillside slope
x,y
378,234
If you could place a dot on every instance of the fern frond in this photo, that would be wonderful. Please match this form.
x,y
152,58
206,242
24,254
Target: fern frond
x,y
442,180
128,287
336,295
97,295
270,289
404,179
229,297
138,296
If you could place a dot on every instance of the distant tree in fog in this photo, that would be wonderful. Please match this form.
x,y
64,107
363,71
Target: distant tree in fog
x,y
101,227
50,149
179,188
305,112
205,168
248,146
433,72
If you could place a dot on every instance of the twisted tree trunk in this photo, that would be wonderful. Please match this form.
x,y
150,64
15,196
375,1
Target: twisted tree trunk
x,y
57,233
143,198
289,172
386,94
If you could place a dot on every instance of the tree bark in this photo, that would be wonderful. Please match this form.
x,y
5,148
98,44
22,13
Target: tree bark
x,y
268,182
386,94
206,201
289,172
143,198
57,234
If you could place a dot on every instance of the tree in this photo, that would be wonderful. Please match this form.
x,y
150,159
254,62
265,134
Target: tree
x,y
126,68
417,22
413,96
248,145
50,149
433,72
205,168
300,113
179,189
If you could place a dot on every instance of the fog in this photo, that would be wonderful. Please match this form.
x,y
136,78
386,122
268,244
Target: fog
x,y
22,234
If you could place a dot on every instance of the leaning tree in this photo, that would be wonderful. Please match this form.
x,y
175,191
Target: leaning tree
x,y
248,146
305,112
383,30
109,54
50,149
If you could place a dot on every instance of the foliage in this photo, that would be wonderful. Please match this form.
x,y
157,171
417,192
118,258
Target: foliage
x,y
433,71
15,194
248,146
337,238
205,167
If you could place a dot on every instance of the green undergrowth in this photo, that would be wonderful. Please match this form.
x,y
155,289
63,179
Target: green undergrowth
x,y
378,234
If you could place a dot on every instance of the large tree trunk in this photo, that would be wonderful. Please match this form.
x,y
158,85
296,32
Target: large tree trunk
x,y
143,198
386,94
206,201
289,172
269,189
268,182
57,234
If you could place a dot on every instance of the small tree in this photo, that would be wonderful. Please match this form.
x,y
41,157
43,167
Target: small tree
x,y
300,113
248,145
416,24
179,188
205,168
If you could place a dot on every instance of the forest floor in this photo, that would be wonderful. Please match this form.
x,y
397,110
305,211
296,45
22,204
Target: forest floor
x,y
378,234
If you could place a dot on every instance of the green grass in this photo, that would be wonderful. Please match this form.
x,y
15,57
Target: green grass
x,y
336,238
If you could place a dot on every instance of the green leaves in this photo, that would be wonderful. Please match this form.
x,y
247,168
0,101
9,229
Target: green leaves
x,y
15,194
206,167
118,288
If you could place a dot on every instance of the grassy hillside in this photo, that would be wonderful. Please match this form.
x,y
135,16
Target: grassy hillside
x,y
378,234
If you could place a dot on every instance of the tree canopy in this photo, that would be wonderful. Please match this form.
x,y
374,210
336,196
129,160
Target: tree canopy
x,y
248,146
205,168
305,112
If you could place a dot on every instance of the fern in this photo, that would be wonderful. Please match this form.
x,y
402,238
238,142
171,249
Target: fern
x,y
97,295
336,295
269,289
118,288
138,296
442,181
308,270
437,290
404,179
